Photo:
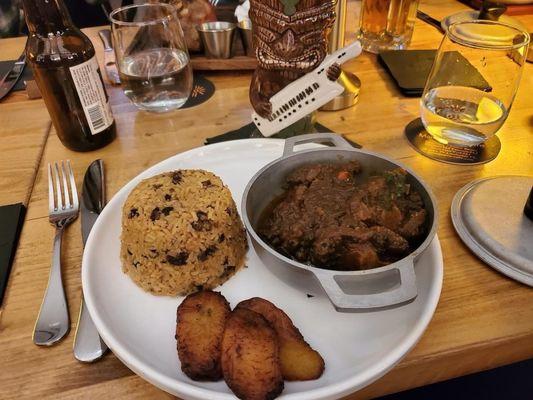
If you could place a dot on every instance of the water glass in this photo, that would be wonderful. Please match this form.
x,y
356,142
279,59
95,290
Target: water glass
x,y
151,55
387,24
468,110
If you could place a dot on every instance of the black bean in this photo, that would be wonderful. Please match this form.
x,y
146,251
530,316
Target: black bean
x,y
221,238
202,223
133,213
177,177
168,197
228,270
205,254
167,210
156,213
179,259
207,184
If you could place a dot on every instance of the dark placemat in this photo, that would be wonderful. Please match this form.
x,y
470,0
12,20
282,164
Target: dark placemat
x,y
410,70
247,131
5,67
202,90
422,142
11,219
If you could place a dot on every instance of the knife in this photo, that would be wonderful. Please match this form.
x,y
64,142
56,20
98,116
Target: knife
x,y
11,78
109,57
88,346
430,20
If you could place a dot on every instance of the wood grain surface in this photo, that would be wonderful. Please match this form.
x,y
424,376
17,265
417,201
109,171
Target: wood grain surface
x,y
483,319
237,63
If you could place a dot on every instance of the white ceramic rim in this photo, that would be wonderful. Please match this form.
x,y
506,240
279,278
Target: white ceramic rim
x,y
171,385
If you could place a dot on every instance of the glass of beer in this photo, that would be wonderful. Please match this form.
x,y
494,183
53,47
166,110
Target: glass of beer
x,y
387,24
473,81
151,56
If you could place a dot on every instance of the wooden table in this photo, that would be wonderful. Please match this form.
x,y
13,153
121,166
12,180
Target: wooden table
x,y
483,320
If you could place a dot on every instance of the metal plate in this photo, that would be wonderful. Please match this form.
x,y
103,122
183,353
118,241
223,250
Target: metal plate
x,y
470,15
488,216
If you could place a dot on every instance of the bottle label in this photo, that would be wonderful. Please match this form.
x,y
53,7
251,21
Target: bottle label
x,y
94,100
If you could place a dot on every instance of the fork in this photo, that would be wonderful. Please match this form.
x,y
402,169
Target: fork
x,y
53,321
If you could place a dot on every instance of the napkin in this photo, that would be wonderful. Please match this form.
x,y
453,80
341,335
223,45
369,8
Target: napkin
x,y
27,75
246,131
11,220
410,70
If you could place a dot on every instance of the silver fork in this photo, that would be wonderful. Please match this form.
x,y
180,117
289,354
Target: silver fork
x,y
53,321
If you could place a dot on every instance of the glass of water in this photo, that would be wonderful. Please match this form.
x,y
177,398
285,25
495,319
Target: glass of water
x,y
473,81
151,56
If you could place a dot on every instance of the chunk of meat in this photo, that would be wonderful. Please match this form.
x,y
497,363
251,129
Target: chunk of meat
x,y
359,256
414,225
388,241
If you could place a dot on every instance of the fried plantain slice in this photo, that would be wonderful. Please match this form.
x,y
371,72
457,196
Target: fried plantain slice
x,y
200,322
299,362
250,357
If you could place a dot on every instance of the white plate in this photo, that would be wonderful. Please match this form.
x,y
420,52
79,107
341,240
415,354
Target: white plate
x,y
139,328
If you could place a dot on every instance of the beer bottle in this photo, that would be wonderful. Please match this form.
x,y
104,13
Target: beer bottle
x,y
67,74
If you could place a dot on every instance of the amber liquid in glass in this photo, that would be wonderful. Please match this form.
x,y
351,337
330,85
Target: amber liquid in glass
x,y
387,21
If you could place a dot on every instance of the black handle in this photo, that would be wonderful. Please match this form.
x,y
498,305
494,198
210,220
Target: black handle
x,y
491,11
528,209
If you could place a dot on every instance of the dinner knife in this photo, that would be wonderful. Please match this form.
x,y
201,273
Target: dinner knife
x,y
109,57
88,346
430,20
11,78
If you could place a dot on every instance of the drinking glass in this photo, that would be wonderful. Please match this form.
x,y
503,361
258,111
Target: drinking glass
x,y
151,55
467,108
387,24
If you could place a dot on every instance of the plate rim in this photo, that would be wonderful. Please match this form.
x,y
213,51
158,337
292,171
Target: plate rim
x,y
173,386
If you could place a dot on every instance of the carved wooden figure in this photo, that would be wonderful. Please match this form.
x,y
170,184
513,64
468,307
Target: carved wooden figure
x,y
290,38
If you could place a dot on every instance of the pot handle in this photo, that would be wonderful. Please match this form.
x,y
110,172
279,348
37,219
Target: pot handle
x,y
335,140
370,289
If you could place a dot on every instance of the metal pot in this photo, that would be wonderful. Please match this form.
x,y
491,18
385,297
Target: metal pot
x,y
391,285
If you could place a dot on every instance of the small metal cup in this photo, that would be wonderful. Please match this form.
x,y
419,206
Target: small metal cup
x,y
217,38
245,28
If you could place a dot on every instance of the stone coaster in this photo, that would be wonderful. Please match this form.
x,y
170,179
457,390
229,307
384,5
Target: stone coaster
x,y
422,141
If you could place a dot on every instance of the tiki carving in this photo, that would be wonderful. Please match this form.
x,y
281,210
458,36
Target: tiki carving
x,y
290,38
